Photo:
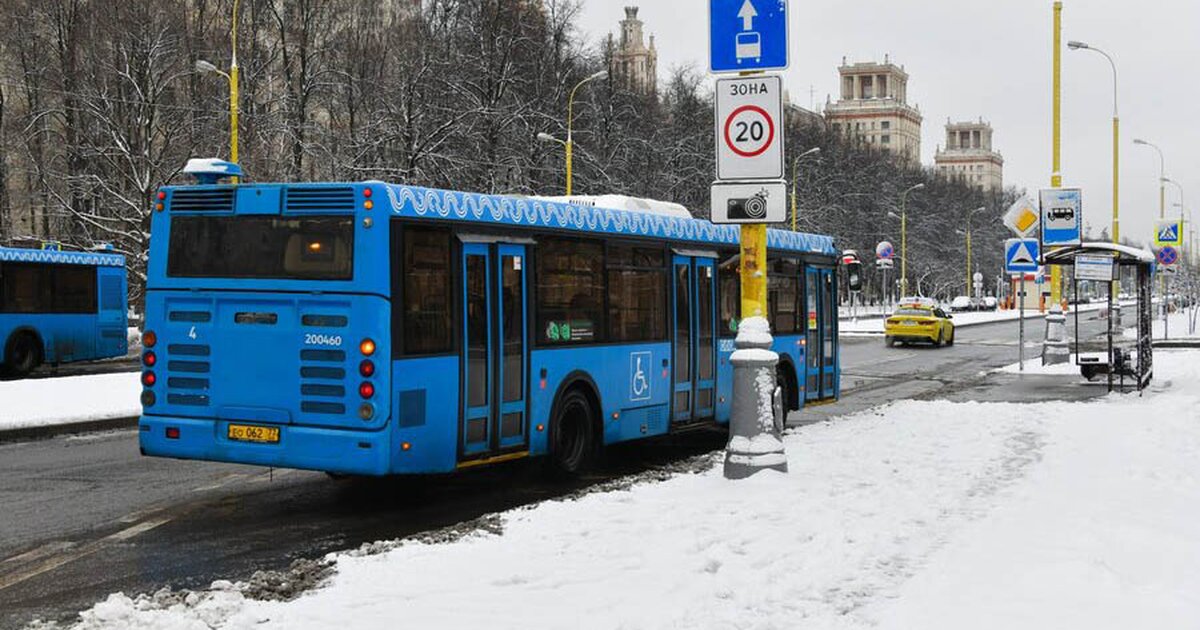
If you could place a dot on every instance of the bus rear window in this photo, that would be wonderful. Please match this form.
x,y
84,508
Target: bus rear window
x,y
308,248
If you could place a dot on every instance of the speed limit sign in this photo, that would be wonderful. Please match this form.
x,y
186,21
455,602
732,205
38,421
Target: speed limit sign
x,y
749,131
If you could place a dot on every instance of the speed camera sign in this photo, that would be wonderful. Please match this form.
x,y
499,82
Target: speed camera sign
x,y
749,131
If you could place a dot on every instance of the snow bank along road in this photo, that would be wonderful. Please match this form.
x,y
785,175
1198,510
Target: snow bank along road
x,y
85,516
912,515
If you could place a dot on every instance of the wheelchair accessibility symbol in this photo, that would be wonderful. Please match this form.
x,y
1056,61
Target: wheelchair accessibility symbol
x,y
639,382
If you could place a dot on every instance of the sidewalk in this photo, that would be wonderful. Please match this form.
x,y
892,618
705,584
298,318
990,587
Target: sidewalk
x,y
49,406
874,326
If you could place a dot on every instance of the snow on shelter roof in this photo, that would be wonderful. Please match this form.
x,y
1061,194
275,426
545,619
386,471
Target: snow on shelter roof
x,y
55,257
1125,253
429,203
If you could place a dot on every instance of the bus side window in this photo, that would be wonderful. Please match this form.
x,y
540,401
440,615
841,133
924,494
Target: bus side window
x,y
729,286
570,291
427,291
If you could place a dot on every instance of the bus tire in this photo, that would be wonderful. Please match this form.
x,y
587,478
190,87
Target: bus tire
x,y
573,439
785,379
22,354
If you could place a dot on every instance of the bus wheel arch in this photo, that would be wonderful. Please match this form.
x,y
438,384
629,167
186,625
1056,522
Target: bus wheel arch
x,y
576,426
23,351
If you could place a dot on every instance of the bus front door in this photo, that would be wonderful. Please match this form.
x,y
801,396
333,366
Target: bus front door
x,y
820,304
494,352
693,338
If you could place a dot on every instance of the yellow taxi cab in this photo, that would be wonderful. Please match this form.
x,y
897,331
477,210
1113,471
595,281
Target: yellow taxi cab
x,y
918,320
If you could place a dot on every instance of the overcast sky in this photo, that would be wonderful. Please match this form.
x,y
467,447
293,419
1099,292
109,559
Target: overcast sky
x,y
990,58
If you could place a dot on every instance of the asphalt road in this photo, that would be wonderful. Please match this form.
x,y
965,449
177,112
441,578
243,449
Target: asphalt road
x,y
84,516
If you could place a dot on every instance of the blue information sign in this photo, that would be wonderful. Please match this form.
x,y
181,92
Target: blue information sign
x,y
747,35
1062,216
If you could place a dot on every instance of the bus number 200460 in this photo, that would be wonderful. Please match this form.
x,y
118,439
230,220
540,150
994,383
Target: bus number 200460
x,y
322,340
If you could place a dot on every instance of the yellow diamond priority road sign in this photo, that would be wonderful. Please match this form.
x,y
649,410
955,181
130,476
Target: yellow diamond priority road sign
x,y
1022,217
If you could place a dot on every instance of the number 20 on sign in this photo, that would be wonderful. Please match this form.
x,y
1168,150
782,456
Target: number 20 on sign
x,y
749,131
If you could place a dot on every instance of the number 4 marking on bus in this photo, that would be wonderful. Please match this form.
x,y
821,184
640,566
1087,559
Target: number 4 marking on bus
x,y
192,333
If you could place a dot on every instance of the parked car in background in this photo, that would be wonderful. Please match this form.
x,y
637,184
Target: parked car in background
x,y
960,304
990,303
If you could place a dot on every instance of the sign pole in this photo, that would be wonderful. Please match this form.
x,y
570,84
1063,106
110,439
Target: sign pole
x,y
1166,306
1021,325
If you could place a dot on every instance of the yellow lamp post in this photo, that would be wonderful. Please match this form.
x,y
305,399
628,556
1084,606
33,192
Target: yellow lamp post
x,y
795,162
1056,136
232,77
967,233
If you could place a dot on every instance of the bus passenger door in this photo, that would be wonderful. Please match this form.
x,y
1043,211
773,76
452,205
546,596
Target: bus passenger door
x,y
693,338
494,352
820,303
812,333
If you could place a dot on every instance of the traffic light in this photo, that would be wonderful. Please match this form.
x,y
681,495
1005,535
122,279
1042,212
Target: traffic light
x,y
854,275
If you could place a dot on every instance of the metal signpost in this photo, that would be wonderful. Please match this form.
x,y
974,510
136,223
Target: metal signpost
x,y
1167,258
1020,257
884,255
747,35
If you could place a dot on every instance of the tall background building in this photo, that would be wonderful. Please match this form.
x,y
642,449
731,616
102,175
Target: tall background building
x,y
969,155
874,107
634,64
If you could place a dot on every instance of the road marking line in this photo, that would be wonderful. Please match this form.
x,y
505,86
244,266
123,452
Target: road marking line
x,y
54,562
44,550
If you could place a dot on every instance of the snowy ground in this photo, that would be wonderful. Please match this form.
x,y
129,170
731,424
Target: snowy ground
x,y
68,399
914,515
1177,327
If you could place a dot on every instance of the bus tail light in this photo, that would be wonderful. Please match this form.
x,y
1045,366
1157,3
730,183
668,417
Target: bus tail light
x,y
149,339
172,433
366,390
150,358
367,347
148,398
366,368
148,378
366,411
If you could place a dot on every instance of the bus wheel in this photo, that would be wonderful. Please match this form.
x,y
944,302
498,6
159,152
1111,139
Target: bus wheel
x,y
21,356
572,438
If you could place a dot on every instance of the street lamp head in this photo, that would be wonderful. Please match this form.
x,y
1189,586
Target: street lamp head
x,y
811,151
1076,45
545,137
1139,141
598,75
204,66
892,215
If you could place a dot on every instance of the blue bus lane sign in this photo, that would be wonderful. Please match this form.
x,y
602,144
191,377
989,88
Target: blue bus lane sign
x,y
747,35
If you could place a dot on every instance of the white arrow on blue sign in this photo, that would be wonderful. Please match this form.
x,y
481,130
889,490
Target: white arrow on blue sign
x,y
747,35
1021,255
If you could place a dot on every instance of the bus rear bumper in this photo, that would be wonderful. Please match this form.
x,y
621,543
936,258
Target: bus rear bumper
x,y
313,448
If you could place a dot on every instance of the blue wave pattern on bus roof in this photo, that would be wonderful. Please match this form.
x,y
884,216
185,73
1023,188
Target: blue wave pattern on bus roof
x,y
16,254
445,204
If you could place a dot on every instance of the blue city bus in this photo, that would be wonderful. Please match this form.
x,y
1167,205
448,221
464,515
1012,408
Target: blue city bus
x,y
376,329
59,306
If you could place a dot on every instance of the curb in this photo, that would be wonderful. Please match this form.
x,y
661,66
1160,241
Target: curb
x,y
1176,343
70,428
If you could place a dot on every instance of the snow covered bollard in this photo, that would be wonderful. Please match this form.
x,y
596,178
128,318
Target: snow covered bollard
x,y
1055,348
754,428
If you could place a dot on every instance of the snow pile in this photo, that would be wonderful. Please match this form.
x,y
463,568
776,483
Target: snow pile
x,y
69,399
1178,326
914,515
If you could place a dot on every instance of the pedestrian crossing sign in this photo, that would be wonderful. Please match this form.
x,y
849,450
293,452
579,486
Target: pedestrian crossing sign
x,y
1168,232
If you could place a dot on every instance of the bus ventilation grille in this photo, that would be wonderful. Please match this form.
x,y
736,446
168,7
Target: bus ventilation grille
x,y
320,199
187,374
215,199
322,388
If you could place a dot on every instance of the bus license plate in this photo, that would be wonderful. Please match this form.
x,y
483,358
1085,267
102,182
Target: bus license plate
x,y
249,433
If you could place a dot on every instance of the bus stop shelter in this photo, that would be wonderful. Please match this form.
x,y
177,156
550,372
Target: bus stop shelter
x,y
1119,362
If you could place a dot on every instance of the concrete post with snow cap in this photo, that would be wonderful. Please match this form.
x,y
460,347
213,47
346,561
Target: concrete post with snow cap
x,y
1056,348
756,422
